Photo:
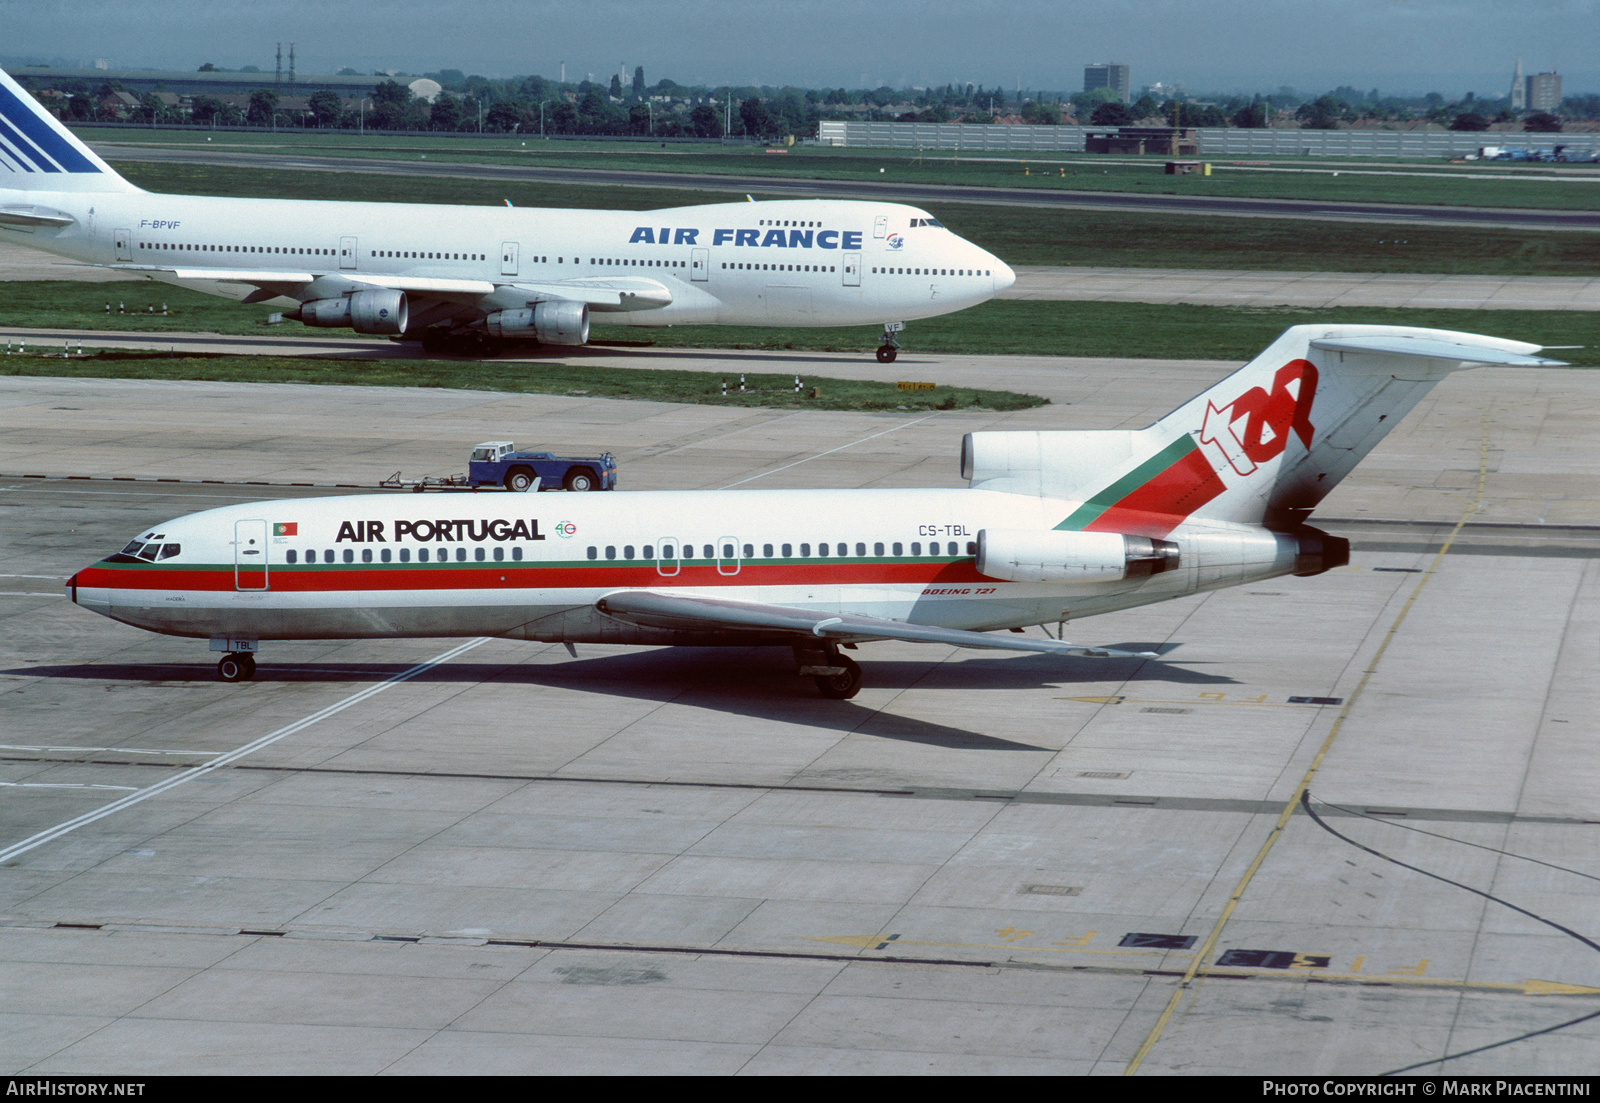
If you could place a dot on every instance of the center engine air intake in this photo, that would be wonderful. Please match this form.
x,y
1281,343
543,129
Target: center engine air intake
x,y
378,311
1029,555
550,323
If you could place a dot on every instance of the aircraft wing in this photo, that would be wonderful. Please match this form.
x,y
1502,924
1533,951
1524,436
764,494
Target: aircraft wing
x,y
672,611
327,283
604,294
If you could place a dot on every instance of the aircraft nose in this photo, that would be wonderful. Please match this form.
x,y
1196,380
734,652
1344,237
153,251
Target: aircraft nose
x,y
1004,277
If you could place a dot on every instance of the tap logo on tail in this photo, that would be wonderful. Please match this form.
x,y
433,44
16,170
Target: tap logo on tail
x,y
1254,428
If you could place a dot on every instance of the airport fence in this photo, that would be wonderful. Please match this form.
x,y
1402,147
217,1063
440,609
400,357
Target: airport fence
x,y
1214,141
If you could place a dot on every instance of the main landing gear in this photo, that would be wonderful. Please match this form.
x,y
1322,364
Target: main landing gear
x,y
235,667
890,347
838,677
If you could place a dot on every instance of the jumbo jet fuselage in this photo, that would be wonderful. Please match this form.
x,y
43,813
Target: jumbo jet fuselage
x,y
788,262
483,273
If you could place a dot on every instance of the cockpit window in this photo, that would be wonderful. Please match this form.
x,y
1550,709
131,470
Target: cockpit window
x,y
133,546
149,552
169,550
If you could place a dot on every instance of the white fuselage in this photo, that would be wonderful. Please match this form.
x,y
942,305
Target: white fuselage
x,y
532,566
788,262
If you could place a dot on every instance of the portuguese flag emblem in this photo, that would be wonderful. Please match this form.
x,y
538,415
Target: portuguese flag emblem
x,y
289,528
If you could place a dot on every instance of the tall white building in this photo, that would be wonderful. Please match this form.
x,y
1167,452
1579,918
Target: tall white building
x,y
1519,89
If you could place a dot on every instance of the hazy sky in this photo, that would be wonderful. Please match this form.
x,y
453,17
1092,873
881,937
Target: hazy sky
x,y
1451,46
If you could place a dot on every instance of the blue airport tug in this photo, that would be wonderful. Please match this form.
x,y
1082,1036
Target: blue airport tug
x,y
495,462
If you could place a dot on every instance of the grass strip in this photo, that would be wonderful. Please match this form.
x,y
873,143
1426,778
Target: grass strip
x,y
1156,331
1012,327
704,388
1018,235
1354,180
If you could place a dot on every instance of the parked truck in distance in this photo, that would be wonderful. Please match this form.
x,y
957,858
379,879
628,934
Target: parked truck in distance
x,y
496,462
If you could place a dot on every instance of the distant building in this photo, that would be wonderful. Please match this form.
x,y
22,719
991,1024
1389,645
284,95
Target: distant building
x,y
425,89
1519,89
1544,92
1112,76
1161,92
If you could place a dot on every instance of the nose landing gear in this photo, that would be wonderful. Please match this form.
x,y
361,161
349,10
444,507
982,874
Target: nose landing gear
x,y
890,347
236,667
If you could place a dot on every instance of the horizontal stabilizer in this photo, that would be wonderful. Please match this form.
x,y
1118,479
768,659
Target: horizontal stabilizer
x,y
699,614
32,217
1436,349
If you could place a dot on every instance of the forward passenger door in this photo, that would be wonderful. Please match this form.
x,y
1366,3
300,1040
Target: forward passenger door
x,y
249,555
508,258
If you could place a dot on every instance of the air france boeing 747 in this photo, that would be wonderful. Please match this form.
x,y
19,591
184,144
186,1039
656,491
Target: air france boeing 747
x,y
467,278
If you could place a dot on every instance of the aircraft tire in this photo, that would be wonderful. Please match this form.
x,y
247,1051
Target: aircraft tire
x,y
519,479
840,687
887,353
580,479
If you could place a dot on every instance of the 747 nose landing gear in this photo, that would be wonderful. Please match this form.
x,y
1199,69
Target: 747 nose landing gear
x,y
890,347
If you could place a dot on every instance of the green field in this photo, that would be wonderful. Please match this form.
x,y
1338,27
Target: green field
x,y
1002,326
1363,180
1018,235
704,388
1159,331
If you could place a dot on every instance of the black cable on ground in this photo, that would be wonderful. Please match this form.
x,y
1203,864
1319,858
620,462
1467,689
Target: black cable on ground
x,y
1453,839
1305,803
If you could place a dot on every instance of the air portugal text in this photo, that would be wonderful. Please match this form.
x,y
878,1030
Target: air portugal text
x,y
759,239
371,532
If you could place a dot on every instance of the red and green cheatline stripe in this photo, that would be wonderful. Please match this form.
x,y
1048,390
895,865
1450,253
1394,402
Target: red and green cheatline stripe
x,y
1155,497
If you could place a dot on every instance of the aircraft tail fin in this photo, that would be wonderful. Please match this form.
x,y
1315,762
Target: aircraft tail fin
x,y
37,153
1264,445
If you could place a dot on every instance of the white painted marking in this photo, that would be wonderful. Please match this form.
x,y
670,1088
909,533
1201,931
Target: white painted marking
x,y
232,756
57,577
62,785
26,593
829,452
122,750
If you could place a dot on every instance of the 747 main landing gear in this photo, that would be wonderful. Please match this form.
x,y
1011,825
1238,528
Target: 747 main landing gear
x,y
237,667
890,347
837,676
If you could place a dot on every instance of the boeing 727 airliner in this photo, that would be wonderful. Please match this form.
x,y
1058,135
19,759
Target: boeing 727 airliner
x,y
1053,525
467,278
